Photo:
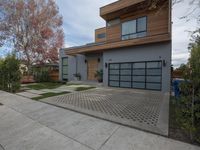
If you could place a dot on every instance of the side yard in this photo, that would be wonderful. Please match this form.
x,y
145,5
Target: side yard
x,y
177,130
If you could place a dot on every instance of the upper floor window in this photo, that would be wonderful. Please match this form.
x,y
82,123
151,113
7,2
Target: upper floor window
x,y
134,28
113,22
101,35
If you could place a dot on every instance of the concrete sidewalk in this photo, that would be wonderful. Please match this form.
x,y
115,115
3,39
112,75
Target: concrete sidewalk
x,y
31,125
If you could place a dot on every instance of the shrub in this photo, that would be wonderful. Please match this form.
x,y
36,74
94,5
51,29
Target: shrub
x,y
189,102
10,74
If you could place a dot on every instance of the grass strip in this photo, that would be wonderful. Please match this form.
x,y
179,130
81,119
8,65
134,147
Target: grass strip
x,y
46,95
44,85
83,88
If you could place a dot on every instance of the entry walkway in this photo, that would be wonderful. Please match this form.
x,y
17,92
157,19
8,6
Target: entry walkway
x,y
31,125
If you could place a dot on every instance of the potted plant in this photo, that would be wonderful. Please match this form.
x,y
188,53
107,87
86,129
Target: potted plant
x,y
99,75
77,76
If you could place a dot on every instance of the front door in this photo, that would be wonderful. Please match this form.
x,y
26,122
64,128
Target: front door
x,y
92,67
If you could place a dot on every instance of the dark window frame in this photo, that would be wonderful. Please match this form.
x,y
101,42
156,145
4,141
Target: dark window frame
x,y
137,32
132,75
101,35
63,74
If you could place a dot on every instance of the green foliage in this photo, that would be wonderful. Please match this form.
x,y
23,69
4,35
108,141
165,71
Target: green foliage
x,y
41,74
99,75
10,74
194,64
46,95
45,85
188,112
83,88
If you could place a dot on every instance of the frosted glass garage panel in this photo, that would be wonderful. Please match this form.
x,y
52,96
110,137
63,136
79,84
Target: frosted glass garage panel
x,y
138,65
125,72
154,72
125,78
114,83
139,78
114,66
154,65
140,72
153,78
125,84
153,86
114,72
138,85
126,66
111,77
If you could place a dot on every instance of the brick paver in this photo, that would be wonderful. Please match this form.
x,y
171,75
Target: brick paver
x,y
131,107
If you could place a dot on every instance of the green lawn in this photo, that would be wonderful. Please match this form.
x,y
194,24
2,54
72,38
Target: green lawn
x,y
45,85
83,88
73,84
46,95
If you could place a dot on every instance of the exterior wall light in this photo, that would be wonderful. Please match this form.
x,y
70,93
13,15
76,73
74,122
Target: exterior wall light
x,y
86,61
106,65
99,59
164,63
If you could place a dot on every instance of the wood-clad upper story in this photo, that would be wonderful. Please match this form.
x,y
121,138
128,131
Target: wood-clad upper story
x,y
129,23
107,12
100,35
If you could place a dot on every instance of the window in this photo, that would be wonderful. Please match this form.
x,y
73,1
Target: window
x,y
134,28
65,68
101,35
139,75
113,22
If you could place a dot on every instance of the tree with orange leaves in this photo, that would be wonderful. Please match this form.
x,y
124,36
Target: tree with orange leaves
x,y
34,27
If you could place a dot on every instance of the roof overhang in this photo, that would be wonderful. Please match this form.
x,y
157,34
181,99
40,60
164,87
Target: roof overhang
x,y
120,44
119,7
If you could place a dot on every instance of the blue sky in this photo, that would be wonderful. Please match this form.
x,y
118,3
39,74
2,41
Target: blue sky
x,y
81,18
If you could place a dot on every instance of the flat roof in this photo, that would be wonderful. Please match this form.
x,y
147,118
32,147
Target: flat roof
x,y
117,6
119,44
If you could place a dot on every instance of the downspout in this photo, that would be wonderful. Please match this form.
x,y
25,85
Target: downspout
x,y
76,64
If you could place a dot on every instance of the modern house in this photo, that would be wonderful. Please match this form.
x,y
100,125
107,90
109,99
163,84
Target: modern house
x,y
133,50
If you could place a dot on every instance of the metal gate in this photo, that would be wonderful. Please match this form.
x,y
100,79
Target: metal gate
x,y
137,75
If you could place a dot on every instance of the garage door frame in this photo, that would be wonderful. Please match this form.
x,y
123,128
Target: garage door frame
x,y
118,69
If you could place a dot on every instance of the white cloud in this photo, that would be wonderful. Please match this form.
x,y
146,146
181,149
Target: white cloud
x,y
180,34
81,18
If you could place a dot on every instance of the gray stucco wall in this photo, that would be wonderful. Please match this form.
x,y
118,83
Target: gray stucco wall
x,y
61,55
76,64
81,66
151,52
71,65
161,51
